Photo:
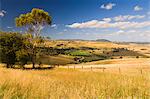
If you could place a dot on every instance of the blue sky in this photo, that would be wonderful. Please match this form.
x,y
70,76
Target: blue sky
x,y
117,20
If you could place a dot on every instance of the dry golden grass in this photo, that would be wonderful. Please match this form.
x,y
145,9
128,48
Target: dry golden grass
x,y
130,66
71,84
77,44
124,61
59,59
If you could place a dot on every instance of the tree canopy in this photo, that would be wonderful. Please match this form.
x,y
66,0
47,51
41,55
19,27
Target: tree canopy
x,y
34,21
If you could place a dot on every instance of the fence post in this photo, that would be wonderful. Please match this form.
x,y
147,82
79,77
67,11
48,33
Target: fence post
x,y
91,68
74,66
68,66
82,66
141,71
103,70
119,70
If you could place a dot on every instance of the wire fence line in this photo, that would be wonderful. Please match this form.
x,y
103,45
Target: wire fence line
x,y
105,68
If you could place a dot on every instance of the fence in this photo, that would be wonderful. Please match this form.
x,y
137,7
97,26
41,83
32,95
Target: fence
x,y
103,69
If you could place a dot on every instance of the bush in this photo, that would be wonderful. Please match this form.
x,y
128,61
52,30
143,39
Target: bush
x,y
120,57
22,57
137,56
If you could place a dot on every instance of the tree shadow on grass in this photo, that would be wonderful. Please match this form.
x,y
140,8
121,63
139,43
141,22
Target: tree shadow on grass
x,y
36,68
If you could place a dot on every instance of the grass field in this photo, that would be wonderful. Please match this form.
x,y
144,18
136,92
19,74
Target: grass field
x,y
72,84
79,53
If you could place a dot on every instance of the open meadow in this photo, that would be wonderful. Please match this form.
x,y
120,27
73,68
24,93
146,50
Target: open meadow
x,y
73,84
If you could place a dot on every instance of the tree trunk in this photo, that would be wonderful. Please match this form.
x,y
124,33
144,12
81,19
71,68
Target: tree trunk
x,y
33,65
7,65
34,58
33,61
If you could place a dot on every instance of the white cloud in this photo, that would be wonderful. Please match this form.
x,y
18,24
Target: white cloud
x,y
2,13
125,32
137,8
120,32
54,26
9,27
89,24
65,30
108,6
106,19
132,31
128,17
104,24
121,22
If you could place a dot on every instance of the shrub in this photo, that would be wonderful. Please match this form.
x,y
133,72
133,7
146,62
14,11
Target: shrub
x,y
22,57
137,56
120,57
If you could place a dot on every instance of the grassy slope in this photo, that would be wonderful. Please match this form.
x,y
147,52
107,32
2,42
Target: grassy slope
x,y
122,61
62,83
106,46
54,60
78,44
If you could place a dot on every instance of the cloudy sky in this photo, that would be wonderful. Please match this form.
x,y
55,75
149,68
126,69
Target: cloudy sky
x,y
117,20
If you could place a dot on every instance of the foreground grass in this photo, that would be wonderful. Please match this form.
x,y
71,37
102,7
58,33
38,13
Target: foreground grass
x,y
71,84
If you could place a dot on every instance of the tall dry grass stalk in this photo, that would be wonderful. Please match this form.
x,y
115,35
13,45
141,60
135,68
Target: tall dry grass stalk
x,y
71,84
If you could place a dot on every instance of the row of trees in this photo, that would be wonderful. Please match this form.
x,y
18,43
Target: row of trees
x,y
15,47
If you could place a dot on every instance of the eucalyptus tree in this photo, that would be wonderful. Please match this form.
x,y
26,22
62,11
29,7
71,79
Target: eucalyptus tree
x,y
34,22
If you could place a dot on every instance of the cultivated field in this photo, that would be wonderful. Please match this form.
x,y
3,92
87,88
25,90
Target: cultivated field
x,y
125,78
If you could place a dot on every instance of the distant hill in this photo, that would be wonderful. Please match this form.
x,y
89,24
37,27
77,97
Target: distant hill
x,y
98,40
132,43
72,40
103,40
